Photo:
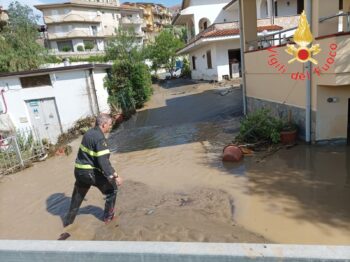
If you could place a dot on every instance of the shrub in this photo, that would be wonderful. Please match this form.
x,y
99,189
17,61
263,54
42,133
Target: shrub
x,y
66,48
186,69
91,59
80,48
141,84
119,87
129,86
89,46
260,126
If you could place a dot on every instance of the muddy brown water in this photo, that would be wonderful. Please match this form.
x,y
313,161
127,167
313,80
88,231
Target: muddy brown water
x,y
177,189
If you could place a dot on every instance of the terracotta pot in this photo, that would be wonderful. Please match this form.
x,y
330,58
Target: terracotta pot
x,y
288,137
232,153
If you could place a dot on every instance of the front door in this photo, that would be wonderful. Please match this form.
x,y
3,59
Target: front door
x,y
44,117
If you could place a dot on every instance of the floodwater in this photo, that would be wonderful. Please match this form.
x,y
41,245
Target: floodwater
x,y
178,189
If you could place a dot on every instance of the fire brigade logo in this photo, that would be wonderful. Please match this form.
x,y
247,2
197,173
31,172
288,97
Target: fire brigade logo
x,y
303,37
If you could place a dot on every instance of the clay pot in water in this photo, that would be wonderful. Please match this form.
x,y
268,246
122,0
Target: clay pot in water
x,y
288,137
232,153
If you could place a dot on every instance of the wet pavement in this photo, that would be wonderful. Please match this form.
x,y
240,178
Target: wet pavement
x,y
178,189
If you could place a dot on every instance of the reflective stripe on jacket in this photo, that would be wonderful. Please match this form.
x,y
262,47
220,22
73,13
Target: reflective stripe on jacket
x,y
94,153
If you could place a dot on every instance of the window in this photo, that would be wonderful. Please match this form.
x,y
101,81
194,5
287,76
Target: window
x,y
193,62
35,81
65,46
276,9
209,60
93,30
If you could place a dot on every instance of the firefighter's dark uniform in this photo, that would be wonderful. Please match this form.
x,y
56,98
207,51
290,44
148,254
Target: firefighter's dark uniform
x,y
92,168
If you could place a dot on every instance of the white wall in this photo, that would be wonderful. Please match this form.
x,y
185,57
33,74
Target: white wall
x,y
69,88
202,71
212,10
101,91
219,57
222,62
284,10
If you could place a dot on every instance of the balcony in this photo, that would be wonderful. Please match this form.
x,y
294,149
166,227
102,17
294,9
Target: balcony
x,y
69,18
75,33
133,20
147,13
213,27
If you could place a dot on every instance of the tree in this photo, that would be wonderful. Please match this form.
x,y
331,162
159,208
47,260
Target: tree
x,y
19,49
124,46
129,84
163,51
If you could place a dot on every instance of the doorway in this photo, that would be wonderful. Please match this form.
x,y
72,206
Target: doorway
x,y
44,117
234,61
300,6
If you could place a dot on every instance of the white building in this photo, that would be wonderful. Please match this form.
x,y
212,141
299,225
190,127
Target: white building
x,y
82,25
132,19
52,100
213,42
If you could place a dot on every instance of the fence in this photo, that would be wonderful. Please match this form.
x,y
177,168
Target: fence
x,y
19,149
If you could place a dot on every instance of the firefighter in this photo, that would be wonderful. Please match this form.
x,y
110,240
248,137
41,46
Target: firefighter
x,y
93,168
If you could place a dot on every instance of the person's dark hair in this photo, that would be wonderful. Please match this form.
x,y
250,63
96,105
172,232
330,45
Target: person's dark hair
x,y
102,119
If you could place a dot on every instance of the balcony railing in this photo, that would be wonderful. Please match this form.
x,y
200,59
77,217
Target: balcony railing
x,y
71,18
74,33
286,36
133,20
77,53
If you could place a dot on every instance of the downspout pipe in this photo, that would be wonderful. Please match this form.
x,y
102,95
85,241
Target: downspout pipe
x,y
4,100
242,46
308,67
94,90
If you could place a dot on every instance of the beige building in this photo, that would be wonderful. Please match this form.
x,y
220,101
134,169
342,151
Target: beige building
x,y
3,17
316,95
83,25
156,16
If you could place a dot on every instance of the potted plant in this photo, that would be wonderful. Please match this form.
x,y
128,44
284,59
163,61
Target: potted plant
x,y
288,133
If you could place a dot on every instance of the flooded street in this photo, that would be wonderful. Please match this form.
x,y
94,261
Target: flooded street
x,y
177,188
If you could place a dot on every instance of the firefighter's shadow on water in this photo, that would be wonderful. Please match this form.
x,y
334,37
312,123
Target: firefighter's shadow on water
x,y
58,204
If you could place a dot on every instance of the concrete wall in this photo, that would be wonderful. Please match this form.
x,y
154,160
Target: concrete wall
x,y
57,251
72,91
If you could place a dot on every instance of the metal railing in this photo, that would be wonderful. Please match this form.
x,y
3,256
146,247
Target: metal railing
x,y
277,38
19,149
341,14
271,39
